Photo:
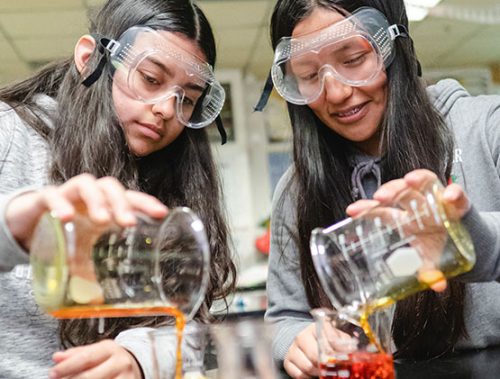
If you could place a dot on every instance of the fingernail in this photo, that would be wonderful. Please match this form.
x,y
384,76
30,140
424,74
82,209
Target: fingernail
x,y
450,195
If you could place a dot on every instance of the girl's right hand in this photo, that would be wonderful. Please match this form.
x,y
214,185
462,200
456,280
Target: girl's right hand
x,y
301,360
105,200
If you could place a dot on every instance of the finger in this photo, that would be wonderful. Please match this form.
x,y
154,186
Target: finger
x,y
83,191
293,371
308,355
111,368
434,278
417,178
389,191
302,359
117,200
77,360
456,201
57,204
23,213
360,206
339,341
146,204
439,286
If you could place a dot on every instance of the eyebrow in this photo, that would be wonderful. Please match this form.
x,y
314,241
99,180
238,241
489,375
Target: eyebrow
x,y
192,86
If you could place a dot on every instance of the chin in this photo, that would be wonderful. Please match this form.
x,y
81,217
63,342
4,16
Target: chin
x,y
141,152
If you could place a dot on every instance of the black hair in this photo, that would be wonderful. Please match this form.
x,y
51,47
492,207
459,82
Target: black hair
x,y
87,138
412,135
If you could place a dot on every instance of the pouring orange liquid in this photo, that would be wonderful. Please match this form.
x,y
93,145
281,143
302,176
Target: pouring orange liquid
x,y
120,311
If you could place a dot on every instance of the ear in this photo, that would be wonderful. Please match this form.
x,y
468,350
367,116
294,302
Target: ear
x,y
83,50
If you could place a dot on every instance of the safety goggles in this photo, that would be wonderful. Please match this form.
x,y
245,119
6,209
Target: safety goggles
x,y
149,67
353,51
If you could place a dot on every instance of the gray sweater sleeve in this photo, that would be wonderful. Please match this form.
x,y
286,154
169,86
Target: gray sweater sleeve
x,y
287,309
160,352
484,228
475,122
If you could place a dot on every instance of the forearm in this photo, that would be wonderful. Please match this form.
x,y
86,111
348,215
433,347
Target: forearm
x,y
11,252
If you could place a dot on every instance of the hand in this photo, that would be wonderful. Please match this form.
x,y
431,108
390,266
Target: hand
x,y
105,200
301,360
456,202
101,360
430,238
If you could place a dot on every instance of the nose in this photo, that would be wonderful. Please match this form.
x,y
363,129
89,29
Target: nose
x,y
166,109
336,92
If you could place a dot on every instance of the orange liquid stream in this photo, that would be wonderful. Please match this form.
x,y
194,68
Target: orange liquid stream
x,y
365,325
110,311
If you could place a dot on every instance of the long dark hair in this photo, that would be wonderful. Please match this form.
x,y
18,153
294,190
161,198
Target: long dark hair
x,y
413,135
87,137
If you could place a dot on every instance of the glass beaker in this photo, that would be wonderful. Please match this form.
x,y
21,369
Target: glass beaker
x,y
157,267
346,351
170,361
244,349
390,252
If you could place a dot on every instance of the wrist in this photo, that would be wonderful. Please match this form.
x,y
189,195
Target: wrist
x,y
136,366
21,216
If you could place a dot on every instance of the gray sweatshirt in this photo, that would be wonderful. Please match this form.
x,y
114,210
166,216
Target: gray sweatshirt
x,y
28,337
475,122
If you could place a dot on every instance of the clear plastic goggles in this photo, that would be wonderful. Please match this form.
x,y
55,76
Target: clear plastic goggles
x,y
353,51
151,68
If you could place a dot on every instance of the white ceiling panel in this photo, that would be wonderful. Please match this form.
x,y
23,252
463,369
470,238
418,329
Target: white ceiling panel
x,y
28,6
8,54
42,49
10,71
93,3
437,39
33,31
482,47
56,24
225,15
260,61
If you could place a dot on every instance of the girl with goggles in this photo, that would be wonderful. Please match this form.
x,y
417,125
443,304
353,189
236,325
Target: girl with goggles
x,y
362,119
113,130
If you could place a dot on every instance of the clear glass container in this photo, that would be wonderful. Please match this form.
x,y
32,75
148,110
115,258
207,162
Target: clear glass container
x,y
390,252
84,270
346,351
244,349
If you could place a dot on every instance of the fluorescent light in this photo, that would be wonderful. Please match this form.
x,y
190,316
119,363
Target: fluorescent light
x,y
423,3
416,13
417,10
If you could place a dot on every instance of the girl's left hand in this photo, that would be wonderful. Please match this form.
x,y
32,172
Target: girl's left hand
x,y
454,199
101,360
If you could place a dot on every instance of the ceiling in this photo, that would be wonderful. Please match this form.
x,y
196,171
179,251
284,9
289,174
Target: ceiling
x,y
33,32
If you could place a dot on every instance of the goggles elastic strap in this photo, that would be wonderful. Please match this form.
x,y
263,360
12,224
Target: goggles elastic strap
x,y
397,30
103,45
222,131
266,92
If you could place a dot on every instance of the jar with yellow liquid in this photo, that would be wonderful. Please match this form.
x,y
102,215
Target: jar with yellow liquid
x,y
84,270
390,251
